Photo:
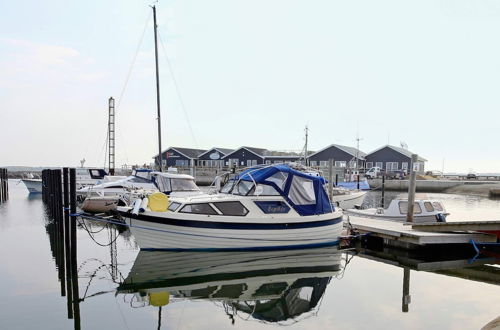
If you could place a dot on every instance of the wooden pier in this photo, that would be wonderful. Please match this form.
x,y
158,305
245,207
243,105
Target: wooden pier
x,y
402,234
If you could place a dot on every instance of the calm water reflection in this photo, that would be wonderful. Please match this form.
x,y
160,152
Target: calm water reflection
x,y
122,288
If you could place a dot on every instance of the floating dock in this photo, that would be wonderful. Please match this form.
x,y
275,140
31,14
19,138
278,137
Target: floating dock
x,y
403,234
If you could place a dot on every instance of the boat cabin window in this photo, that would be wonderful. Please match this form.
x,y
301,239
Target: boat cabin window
x,y
137,179
227,187
403,208
302,191
163,183
243,188
142,174
231,208
183,185
270,289
428,207
81,172
173,206
279,179
438,206
97,174
199,208
265,190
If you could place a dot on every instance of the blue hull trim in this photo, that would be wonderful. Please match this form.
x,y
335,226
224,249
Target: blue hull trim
x,y
260,248
231,225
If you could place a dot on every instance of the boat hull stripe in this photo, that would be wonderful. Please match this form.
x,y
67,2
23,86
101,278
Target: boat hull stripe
x,y
232,225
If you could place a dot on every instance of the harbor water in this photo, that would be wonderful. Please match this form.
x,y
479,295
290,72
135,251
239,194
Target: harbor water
x,y
119,287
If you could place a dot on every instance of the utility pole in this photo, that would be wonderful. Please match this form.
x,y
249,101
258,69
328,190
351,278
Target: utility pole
x,y
111,135
160,158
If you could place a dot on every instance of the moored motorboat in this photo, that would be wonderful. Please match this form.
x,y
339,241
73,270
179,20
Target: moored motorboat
x,y
33,185
425,210
266,207
346,198
108,195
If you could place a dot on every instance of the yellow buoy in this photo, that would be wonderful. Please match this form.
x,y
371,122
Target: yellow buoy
x,y
158,202
158,299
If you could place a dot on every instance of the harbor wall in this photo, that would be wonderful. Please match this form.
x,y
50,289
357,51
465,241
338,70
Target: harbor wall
x,y
482,188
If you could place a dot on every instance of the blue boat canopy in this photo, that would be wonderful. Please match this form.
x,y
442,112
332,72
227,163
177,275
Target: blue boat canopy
x,y
304,192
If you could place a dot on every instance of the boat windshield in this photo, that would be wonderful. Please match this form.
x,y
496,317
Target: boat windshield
x,y
241,187
183,185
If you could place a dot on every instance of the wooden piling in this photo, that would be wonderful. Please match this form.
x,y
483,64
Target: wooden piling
x,y
67,246
73,244
330,179
382,199
406,290
4,185
411,188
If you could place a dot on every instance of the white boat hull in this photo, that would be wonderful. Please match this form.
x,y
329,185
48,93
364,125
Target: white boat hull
x,y
34,185
161,233
349,201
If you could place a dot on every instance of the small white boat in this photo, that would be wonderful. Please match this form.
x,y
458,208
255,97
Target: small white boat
x,y
107,196
34,185
347,199
267,207
425,210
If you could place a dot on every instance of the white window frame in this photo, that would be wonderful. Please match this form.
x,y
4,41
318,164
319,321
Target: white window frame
x,y
391,166
339,163
379,165
369,164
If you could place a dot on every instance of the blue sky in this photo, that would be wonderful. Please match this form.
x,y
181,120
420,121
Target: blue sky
x,y
251,73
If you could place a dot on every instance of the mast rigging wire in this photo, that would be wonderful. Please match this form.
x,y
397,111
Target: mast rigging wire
x,y
181,101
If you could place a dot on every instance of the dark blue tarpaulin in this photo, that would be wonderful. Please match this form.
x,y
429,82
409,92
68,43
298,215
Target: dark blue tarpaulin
x,y
261,174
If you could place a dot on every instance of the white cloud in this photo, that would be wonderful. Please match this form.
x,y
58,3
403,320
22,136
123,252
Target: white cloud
x,y
28,63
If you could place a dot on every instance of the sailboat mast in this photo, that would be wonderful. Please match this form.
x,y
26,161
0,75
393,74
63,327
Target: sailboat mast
x,y
160,158
306,160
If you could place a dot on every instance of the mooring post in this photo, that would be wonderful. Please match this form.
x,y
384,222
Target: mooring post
x,y
412,187
336,179
382,200
406,290
357,179
330,179
2,193
60,213
67,247
73,244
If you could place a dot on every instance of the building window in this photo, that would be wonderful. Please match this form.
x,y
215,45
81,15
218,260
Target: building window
x,y
391,166
352,164
268,162
404,166
323,163
369,164
340,164
379,164
181,163
313,163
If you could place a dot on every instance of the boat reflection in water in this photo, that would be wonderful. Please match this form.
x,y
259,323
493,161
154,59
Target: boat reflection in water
x,y
274,286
